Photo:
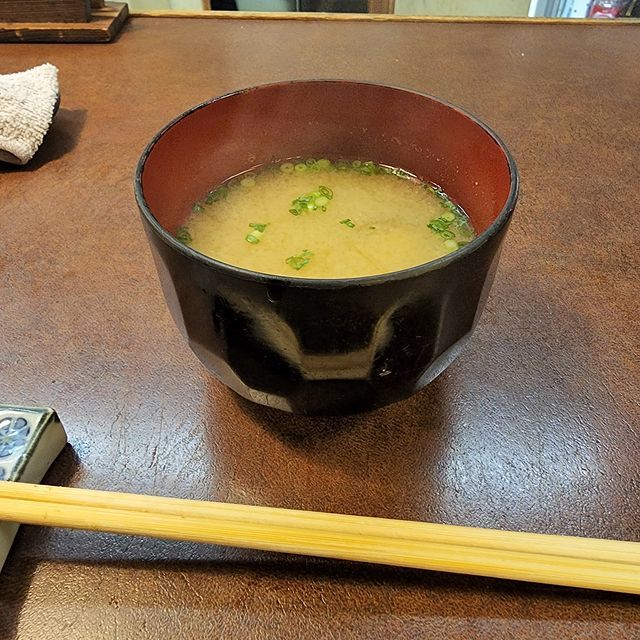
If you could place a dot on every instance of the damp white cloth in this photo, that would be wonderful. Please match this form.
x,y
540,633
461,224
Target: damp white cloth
x,y
27,103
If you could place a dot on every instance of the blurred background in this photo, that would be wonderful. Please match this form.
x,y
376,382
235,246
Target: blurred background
x,y
606,9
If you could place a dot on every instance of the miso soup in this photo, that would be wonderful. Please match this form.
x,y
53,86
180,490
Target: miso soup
x,y
326,219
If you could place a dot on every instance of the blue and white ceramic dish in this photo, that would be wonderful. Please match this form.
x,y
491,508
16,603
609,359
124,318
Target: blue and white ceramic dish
x,y
30,440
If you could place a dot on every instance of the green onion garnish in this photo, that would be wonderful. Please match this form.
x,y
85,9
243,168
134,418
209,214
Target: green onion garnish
x,y
348,223
440,225
367,168
311,201
444,226
197,208
258,230
301,166
286,167
310,162
323,163
182,235
217,194
297,262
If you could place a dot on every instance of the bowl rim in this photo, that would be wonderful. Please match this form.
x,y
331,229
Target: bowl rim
x,y
329,283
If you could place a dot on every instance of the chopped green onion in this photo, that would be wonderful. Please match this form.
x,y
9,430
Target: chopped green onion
x,y
348,223
182,235
297,262
312,201
197,208
300,167
286,167
310,162
342,165
356,163
452,245
463,243
439,225
449,215
447,204
256,234
217,194
323,163
367,168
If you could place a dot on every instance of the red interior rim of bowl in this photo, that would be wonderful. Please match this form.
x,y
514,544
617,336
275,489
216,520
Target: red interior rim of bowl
x,y
500,220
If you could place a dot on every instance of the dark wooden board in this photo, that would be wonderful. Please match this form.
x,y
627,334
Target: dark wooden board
x,y
104,25
45,11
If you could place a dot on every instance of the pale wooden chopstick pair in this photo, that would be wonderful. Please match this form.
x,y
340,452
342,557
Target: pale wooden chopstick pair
x,y
579,562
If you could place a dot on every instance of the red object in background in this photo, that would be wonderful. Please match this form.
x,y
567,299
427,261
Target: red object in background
x,y
607,8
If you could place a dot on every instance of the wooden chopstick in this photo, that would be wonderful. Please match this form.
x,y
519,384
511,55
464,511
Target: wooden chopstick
x,y
562,560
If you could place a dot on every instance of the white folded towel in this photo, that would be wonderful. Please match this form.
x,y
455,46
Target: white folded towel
x,y
27,103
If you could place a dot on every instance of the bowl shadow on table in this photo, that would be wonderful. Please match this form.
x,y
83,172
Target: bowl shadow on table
x,y
62,137
423,410
337,459
30,544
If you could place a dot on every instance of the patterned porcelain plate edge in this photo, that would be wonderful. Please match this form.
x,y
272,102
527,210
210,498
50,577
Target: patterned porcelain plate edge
x,y
30,440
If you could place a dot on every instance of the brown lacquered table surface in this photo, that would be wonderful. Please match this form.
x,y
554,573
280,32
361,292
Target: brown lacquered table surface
x,y
536,427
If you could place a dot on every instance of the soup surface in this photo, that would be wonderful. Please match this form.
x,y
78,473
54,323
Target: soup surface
x,y
323,219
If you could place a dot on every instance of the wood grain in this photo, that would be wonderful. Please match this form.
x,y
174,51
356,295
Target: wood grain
x,y
376,17
105,24
45,11
534,428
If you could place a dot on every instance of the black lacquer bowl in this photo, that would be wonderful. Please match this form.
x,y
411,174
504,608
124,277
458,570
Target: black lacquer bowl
x,y
326,346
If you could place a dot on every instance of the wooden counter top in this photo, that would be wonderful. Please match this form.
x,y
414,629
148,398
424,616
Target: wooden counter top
x,y
536,427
